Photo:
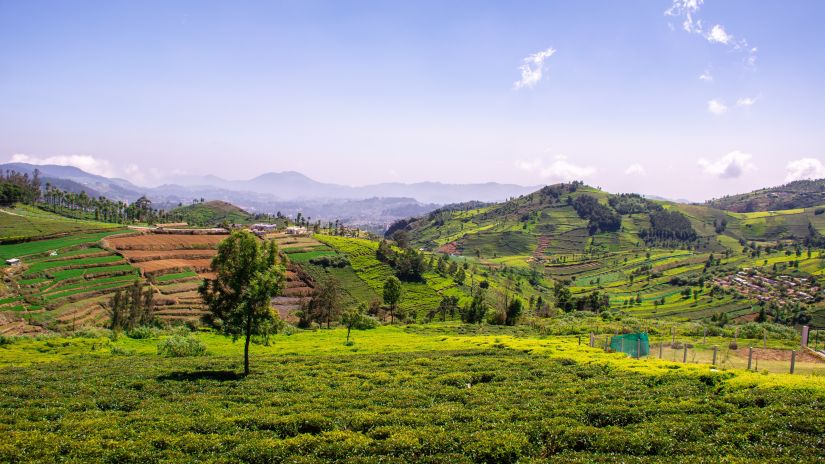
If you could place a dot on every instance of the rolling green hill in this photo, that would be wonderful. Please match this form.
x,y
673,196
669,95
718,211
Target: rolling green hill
x,y
641,254
212,213
797,194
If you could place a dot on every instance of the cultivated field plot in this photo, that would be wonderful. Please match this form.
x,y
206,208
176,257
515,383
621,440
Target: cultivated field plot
x,y
64,282
27,222
175,264
397,396
158,254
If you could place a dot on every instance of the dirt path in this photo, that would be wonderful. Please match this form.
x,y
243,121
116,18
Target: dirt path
x,y
541,247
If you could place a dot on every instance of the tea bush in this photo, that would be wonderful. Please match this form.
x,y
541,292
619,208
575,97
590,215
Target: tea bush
x,y
178,346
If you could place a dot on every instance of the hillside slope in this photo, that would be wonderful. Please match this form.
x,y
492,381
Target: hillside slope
x,y
797,194
212,213
653,258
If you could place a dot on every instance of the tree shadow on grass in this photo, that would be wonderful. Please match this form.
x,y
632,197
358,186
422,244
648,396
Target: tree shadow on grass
x,y
220,376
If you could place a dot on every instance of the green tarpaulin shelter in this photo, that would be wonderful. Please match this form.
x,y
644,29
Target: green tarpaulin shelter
x,y
636,345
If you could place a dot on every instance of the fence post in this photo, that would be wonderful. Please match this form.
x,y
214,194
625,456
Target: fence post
x,y
750,356
684,357
704,335
592,340
623,345
805,330
638,348
764,339
580,339
661,345
793,360
672,336
606,342
714,354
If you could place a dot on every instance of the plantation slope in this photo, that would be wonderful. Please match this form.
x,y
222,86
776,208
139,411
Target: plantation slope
x,y
396,396
23,223
417,298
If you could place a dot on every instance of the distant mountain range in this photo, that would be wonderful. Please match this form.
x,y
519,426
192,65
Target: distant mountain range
x,y
288,192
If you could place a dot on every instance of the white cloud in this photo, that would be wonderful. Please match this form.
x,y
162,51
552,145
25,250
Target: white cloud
x,y
686,9
532,68
635,169
706,76
85,162
717,34
805,168
560,169
717,107
730,166
746,101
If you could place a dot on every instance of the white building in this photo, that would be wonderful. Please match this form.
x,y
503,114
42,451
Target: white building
x,y
295,230
13,262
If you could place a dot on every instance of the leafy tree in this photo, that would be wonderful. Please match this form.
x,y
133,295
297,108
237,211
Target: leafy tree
x,y
448,304
247,277
514,310
392,295
352,316
326,303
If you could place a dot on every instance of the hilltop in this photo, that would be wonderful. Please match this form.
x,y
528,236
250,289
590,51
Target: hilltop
x,y
212,213
797,194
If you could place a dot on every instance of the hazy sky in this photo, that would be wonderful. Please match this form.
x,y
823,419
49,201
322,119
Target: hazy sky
x,y
684,99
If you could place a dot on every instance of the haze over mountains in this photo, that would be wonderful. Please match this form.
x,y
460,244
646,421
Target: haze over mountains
x,y
288,192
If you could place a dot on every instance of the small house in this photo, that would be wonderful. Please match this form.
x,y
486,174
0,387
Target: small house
x,y
13,262
295,230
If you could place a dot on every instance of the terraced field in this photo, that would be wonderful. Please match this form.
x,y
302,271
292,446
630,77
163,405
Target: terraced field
x,y
27,223
63,282
175,264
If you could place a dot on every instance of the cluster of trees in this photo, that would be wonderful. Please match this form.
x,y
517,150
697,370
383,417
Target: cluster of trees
x,y
668,225
630,203
449,268
330,261
787,314
594,301
132,307
408,263
19,188
600,217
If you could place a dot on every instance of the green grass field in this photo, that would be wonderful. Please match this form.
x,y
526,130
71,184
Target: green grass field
x,y
27,222
422,394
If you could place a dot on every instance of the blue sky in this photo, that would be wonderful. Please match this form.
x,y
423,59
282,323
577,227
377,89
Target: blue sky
x,y
684,99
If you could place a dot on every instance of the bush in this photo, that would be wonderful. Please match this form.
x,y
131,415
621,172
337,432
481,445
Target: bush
x,y
141,333
366,322
755,330
178,346
93,333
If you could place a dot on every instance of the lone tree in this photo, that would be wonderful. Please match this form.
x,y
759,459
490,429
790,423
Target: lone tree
x,y
326,303
352,316
247,276
392,294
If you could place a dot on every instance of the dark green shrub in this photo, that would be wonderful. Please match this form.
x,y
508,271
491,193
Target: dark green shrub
x,y
178,346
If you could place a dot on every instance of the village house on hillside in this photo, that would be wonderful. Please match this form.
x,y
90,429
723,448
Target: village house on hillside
x,y
296,230
12,262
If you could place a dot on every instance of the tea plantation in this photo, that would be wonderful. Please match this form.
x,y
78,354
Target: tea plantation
x,y
416,394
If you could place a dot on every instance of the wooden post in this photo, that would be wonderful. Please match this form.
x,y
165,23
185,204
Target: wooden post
x,y
661,346
592,340
672,336
622,344
684,357
793,360
750,357
638,348
606,342
580,339
715,348
704,335
764,339
805,330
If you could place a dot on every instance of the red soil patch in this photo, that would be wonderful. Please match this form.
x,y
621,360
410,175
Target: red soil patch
x,y
164,242
137,256
196,265
449,248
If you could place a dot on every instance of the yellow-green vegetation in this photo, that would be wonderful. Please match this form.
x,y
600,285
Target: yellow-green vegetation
x,y
24,222
436,393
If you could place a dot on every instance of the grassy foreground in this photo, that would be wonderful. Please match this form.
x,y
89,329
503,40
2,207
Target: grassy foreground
x,y
397,395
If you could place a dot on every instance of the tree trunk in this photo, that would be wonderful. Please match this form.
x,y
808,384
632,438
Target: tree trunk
x,y
348,330
246,346
392,314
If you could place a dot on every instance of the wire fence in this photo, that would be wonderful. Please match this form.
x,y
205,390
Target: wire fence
x,y
774,356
